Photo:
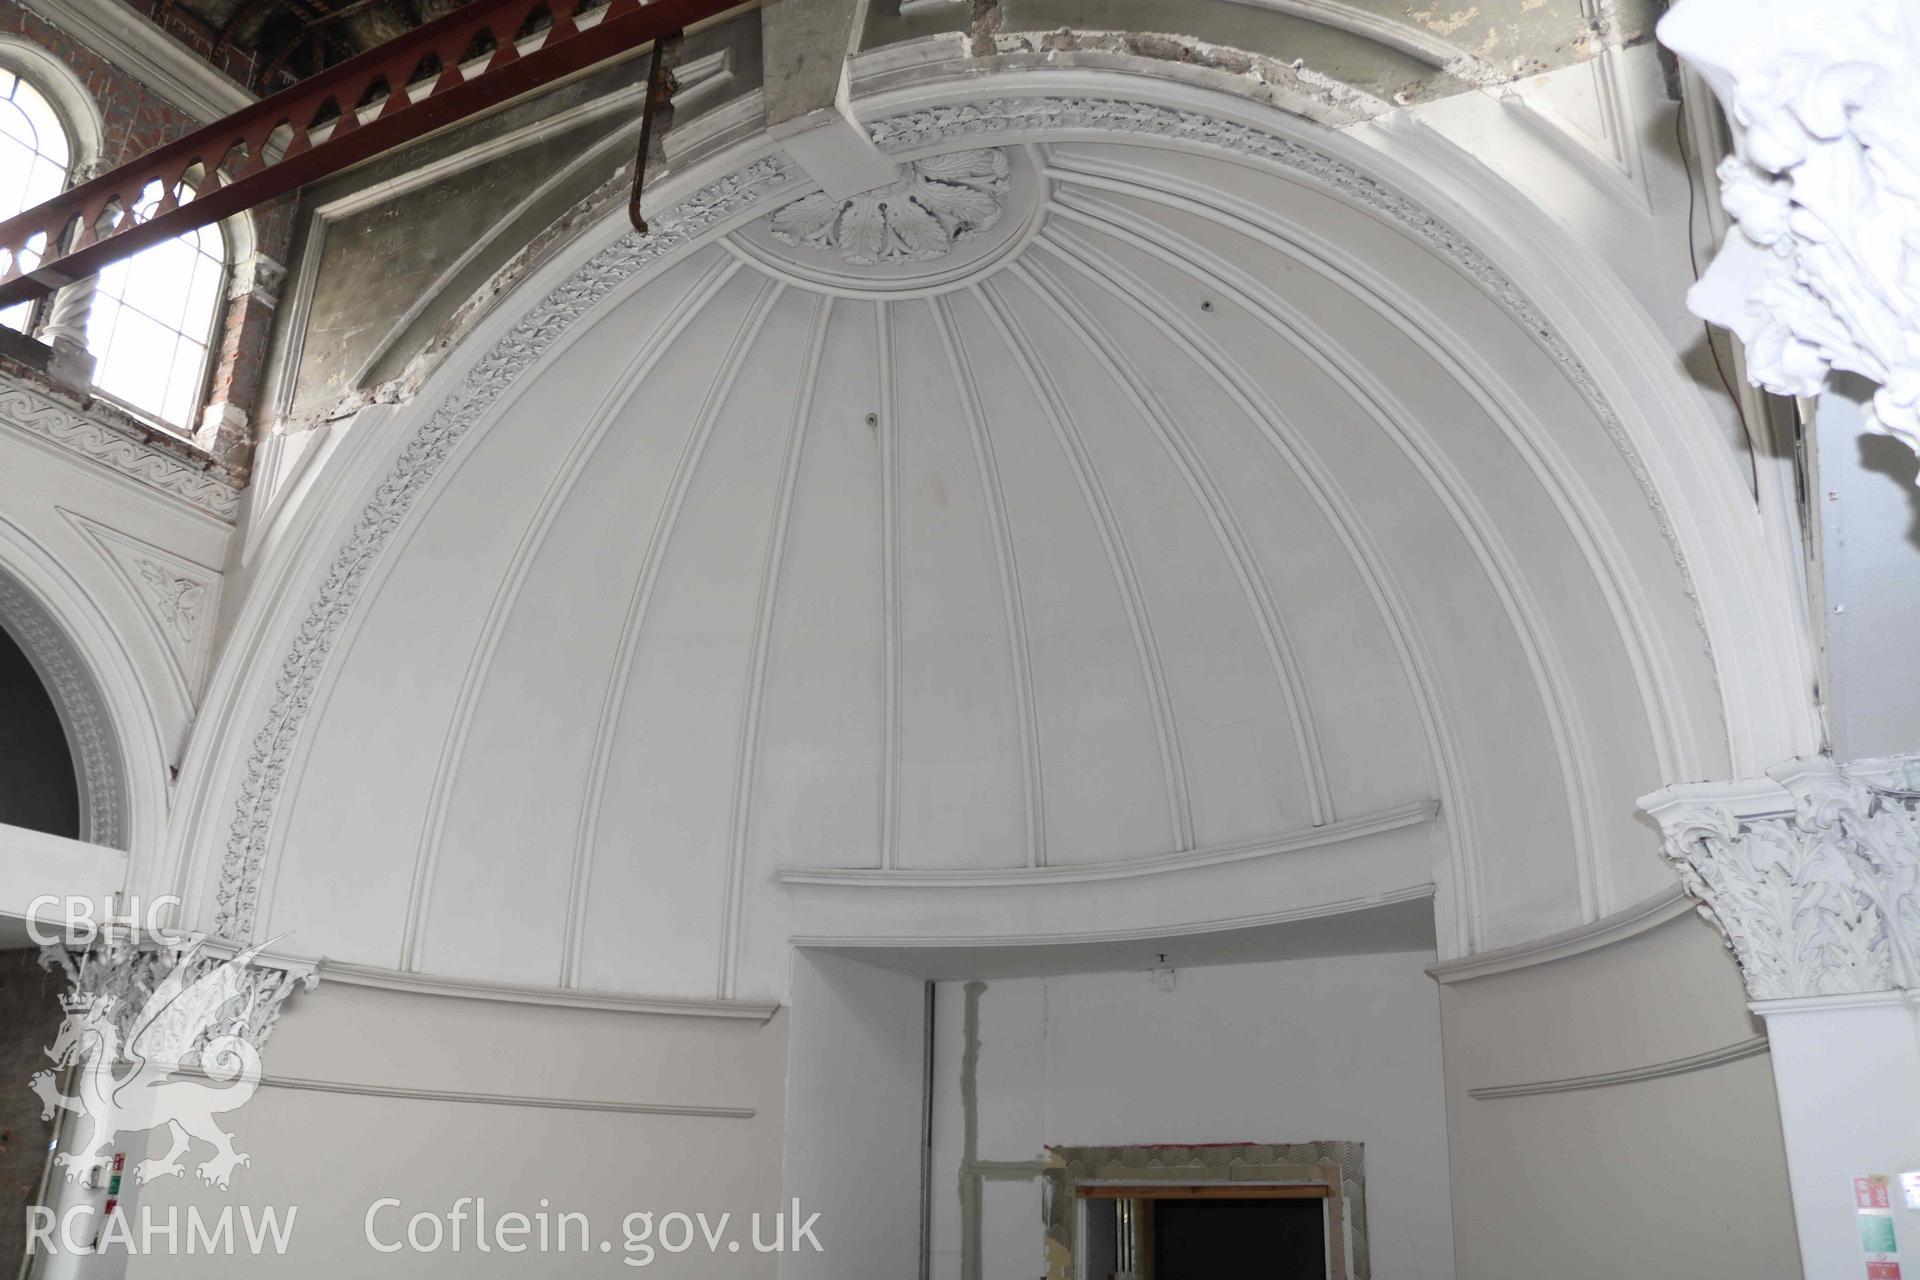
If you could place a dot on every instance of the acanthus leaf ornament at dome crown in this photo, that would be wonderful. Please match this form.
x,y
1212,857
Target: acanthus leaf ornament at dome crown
x,y
935,204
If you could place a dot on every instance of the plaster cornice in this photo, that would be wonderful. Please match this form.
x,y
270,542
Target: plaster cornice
x,y
558,997
1630,922
143,51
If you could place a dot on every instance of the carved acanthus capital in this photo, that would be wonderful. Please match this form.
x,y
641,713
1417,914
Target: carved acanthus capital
x,y
170,998
1812,873
1822,270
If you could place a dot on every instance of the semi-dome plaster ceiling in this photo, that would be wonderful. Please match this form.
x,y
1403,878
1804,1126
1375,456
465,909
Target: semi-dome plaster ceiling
x,y
1115,518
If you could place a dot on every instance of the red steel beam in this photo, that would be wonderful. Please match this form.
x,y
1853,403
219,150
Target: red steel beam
x,y
323,129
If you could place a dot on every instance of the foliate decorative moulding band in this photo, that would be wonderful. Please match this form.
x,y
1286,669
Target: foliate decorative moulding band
x,y
1812,873
1822,270
237,895
83,712
759,184
27,410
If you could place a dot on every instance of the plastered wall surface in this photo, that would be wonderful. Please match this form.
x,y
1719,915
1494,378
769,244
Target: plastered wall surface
x,y
1340,1049
1682,1175
855,1089
571,1137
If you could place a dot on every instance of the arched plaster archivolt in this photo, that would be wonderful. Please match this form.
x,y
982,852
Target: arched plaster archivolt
x,y
82,711
753,182
110,727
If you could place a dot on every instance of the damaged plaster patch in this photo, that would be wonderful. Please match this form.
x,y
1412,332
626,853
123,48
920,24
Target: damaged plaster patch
x,y
982,24
1448,25
1291,86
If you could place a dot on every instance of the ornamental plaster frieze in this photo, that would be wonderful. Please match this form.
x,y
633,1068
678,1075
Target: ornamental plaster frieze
x,y
1822,269
105,442
1811,873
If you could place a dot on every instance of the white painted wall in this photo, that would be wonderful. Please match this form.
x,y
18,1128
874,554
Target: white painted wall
x,y
333,1154
1869,514
1844,1067
1344,1049
855,1083
34,864
1682,1175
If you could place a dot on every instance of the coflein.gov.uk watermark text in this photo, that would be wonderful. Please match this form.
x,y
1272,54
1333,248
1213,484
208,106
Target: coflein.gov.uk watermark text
x,y
465,1226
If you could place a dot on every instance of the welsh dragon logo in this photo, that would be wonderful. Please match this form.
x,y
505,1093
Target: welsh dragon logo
x,y
126,1061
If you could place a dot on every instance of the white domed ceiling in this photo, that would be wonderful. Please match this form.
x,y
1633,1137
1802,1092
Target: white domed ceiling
x,y
1070,515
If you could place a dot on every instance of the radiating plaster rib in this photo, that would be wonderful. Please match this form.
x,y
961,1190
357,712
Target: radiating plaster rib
x,y
1455,495
1011,116
1234,546
295,699
487,387
1073,448
487,643
1369,566
639,603
887,431
1007,562
1475,526
748,744
1558,477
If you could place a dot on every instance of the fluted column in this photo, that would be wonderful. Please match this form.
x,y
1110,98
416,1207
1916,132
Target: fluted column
x,y
1812,873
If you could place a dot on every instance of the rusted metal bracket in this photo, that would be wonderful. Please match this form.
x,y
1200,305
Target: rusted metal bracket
x,y
661,86
469,61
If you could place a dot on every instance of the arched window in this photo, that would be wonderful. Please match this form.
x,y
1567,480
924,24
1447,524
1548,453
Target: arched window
x,y
35,156
152,324
151,320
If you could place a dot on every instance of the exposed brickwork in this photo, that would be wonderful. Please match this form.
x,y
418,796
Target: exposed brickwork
x,y
198,36
29,1017
138,118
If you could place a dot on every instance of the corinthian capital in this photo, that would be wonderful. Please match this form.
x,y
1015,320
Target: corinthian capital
x,y
1812,873
1822,270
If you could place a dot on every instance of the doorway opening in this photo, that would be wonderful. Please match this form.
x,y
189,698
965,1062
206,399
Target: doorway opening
x,y
1202,1232
1276,1211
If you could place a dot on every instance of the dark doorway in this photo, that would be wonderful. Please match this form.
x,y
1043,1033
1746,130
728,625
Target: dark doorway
x,y
1213,1239
37,786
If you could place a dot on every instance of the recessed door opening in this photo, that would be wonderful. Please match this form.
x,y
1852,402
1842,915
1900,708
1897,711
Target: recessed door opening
x,y
1202,1232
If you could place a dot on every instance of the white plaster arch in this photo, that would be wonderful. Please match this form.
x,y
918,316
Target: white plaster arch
x,y
118,749
374,481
